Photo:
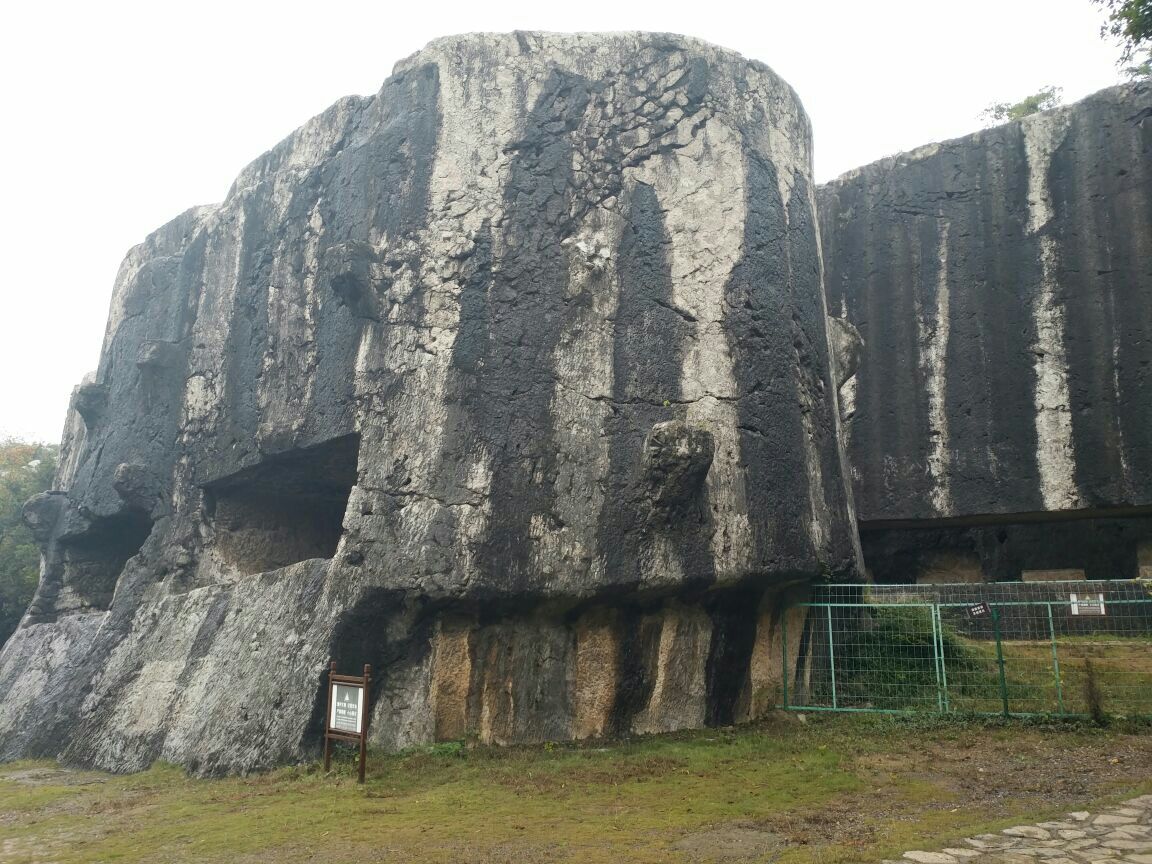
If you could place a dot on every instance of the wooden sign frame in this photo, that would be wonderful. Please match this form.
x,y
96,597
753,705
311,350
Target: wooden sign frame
x,y
333,732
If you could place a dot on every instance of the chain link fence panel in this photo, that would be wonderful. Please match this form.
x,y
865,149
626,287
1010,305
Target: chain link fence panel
x,y
1081,648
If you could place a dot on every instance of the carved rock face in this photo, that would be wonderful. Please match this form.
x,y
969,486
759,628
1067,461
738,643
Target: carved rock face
x,y
1001,284
412,396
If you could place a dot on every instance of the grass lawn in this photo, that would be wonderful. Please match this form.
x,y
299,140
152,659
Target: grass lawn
x,y
826,789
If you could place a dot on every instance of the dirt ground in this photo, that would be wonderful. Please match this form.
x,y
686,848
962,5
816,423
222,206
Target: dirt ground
x,y
825,789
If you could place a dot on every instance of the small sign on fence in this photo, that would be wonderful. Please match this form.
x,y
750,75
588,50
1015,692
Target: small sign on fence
x,y
347,719
979,610
1087,605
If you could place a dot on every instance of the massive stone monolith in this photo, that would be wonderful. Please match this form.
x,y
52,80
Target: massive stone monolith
x,y
511,380
1002,284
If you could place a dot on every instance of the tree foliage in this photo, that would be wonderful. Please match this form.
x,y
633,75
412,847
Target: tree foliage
x,y
1139,68
1003,112
25,470
1130,23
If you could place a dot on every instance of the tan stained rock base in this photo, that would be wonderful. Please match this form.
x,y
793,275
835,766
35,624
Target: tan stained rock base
x,y
1119,835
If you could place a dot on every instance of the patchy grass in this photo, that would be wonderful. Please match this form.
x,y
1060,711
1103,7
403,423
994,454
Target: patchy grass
x,y
832,789
887,660
1121,668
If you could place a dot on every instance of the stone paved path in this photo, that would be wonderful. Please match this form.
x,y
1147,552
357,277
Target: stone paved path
x,y
1118,835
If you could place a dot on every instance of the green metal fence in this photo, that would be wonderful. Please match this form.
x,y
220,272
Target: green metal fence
x,y
1059,648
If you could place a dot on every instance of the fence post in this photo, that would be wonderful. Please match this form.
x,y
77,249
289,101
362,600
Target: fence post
x,y
784,649
831,656
936,657
1055,663
942,664
1000,658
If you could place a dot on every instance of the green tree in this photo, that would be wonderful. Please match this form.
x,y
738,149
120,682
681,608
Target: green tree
x,y
1138,68
1003,112
25,470
1130,23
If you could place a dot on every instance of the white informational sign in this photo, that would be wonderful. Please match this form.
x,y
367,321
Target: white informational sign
x,y
347,708
1087,605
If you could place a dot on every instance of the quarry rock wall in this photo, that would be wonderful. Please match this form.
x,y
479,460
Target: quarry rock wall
x,y
528,380
512,380
1000,283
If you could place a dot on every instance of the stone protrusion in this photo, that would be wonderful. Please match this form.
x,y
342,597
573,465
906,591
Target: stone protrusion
x,y
156,355
676,461
847,348
351,269
136,486
90,401
41,514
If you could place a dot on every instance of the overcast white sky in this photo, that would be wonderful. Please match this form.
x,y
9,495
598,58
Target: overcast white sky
x,y
118,115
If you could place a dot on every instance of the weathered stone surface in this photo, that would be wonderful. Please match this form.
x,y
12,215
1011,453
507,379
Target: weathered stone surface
x,y
1000,283
1031,831
1021,845
1129,845
930,857
1077,845
1121,834
991,841
1114,819
512,380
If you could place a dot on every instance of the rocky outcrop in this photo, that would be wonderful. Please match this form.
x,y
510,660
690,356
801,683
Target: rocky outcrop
x,y
1000,283
512,380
